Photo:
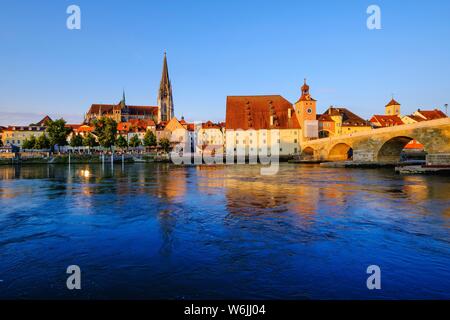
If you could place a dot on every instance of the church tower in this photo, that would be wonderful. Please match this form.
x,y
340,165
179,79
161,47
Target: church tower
x,y
165,99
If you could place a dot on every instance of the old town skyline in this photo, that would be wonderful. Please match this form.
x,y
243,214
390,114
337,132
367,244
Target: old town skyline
x,y
354,68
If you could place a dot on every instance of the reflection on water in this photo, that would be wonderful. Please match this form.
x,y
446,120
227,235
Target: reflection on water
x,y
163,231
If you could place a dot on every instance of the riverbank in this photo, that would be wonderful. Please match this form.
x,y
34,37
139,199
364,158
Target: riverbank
x,y
85,159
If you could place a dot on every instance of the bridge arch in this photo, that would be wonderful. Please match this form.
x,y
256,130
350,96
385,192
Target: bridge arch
x,y
340,152
391,150
307,153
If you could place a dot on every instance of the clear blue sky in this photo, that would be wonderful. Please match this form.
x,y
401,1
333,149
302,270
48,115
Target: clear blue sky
x,y
220,48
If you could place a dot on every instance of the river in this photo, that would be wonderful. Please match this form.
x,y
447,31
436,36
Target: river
x,y
159,231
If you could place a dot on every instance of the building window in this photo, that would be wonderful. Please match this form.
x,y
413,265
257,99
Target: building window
x,y
295,140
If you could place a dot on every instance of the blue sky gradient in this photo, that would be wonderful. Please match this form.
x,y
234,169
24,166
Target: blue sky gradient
x,y
220,48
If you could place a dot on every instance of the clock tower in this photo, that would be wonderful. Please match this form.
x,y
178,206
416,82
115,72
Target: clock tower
x,y
306,109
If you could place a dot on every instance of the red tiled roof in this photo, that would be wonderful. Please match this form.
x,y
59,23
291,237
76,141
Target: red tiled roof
x,y
386,121
190,127
254,112
136,110
85,128
211,125
349,119
392,103
73,126
43,121
105,108
124,126
144,123
136,124
132,110
415,118
432,114
324,117
413,144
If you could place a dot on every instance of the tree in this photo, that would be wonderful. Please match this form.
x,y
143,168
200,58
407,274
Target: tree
x,y
42,142
57,132
90,141
164,143
149,139
135,141
121,142
106,131
29,143
1,143
76,141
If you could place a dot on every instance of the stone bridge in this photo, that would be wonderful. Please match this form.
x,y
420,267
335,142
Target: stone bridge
x,y
384,145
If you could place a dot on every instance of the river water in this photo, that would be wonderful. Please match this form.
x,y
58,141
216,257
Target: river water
x,y
158,231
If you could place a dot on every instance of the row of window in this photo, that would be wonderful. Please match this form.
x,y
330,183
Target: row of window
x,y
264,133
12,142
263,142
260,149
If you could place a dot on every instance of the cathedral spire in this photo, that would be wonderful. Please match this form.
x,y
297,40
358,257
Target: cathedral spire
x,y
165,99
122,102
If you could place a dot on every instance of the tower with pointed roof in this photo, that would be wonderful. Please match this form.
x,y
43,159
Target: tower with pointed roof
x,y
123,108
392,108
165,99
306,111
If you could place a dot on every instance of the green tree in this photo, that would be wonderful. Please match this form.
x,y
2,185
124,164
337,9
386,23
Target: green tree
x,y
106,131
121,142
164,143
57,132
149,139
90,141
76,141
42,142
29,143
135,141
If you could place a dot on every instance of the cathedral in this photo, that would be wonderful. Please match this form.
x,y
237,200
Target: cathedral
x,y
122,112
